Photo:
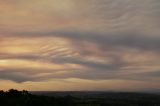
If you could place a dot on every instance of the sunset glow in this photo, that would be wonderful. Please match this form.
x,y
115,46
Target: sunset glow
x,y
80,45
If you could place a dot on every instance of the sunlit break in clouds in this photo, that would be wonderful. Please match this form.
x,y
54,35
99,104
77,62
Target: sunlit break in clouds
x,y
80,45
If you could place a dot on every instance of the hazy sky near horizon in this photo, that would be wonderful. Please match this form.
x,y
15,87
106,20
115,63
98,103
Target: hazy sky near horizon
x,y
80,44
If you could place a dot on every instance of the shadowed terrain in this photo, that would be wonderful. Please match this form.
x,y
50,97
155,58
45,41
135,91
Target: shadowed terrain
x,y
24,98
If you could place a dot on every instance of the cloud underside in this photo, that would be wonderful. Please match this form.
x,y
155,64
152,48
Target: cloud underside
x,y
87,40
86,57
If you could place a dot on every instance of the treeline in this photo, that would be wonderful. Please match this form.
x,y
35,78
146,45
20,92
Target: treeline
x,y
14,93
14,97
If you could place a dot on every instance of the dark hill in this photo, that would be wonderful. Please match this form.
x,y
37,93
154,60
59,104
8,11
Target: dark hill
x,y
24,98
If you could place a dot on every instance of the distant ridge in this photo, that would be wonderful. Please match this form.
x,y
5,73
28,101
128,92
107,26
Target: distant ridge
x,y
90,93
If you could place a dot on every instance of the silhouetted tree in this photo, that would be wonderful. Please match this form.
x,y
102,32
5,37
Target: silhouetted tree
x,y
24,92
14,92
2,92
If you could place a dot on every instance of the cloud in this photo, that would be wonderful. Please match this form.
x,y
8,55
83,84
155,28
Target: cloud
x,y
88,40
122,40
100,56
14,76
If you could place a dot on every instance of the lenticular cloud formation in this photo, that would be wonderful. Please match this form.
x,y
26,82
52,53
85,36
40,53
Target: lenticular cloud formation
x,y
91,44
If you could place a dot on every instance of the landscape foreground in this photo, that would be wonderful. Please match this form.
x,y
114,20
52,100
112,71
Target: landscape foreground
x,y
24,98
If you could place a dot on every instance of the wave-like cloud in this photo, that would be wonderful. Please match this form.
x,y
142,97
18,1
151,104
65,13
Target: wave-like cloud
x,y
86,39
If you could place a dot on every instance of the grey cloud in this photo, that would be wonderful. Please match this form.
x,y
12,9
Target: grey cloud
x,y
111,25
96,71
27,74
155,74
152,76
122,40
119,24
92,73
115,65
20,56
15,76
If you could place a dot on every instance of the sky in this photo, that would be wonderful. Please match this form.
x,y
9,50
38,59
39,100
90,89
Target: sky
x,y
74,45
